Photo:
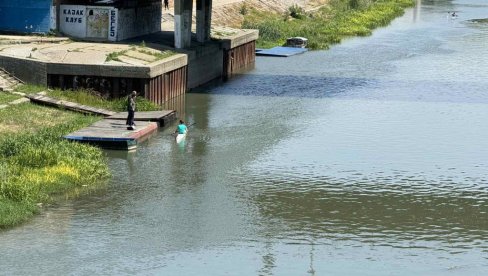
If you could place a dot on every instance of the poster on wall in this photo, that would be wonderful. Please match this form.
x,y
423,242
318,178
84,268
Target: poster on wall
x,y
72,20
97,22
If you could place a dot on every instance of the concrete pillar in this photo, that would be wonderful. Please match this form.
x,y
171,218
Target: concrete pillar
x,y
204,20
183,12
58,16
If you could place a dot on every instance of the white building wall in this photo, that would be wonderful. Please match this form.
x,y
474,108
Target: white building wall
x,y
109,24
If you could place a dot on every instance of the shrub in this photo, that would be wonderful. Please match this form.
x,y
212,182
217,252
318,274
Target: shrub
x,y
297,12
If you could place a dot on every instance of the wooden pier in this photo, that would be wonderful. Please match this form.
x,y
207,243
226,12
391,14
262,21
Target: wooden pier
x,y
163,117
112,132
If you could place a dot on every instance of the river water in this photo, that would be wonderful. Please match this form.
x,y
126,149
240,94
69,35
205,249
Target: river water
x,y
366,159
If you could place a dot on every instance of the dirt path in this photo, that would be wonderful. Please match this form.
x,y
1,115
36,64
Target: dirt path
x,y
228,12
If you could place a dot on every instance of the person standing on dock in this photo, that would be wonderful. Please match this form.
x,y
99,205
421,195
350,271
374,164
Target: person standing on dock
x,y
131,109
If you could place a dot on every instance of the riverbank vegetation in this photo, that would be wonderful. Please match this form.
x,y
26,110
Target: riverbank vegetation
x,y
36,164
7,97
327,25
90,98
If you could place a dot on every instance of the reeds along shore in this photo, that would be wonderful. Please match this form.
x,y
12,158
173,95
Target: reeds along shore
x,y
326,26
37,164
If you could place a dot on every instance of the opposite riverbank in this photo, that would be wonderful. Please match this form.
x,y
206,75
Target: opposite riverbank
x,y
36,164
326,24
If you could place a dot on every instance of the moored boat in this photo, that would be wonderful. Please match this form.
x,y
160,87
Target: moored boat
x,y
297,42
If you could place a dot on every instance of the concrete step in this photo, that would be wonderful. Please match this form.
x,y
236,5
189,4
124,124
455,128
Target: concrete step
x,y
7,81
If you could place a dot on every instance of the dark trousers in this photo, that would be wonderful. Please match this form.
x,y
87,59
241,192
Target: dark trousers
x,y
130,118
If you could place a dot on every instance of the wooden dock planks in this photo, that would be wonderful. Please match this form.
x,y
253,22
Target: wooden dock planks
x,y
162,117
113,134
41,99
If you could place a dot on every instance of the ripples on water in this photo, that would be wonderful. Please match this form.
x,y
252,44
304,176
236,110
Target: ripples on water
x,y
397,210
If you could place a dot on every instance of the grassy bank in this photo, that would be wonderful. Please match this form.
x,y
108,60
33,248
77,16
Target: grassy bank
x,y
326,26
37,164
7,97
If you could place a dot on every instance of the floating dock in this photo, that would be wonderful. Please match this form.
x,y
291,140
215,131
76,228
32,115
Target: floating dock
x,y
280,51
163,117
112,132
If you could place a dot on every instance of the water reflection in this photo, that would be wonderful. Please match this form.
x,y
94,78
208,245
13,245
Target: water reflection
x,y
417,10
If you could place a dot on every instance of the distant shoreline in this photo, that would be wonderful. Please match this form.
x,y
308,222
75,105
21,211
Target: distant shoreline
x,y
325,26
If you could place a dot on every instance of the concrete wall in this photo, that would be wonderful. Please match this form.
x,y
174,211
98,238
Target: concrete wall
x,y
29,71
205,64
139,21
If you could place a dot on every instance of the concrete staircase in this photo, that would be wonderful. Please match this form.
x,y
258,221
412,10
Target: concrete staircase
x,y
7,81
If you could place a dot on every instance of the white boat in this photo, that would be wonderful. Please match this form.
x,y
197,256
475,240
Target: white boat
x,y
180,137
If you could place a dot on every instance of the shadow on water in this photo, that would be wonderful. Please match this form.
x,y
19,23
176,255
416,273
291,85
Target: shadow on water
x,y
285,86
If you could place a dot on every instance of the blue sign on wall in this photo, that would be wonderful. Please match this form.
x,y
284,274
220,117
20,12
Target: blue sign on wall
x,y
25,16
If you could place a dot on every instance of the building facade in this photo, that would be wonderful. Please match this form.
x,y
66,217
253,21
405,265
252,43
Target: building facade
x,y
94,20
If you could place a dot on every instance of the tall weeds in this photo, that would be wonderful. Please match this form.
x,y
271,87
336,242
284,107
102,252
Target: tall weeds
x,y
88,97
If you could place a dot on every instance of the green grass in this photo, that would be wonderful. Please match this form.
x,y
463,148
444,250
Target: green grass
x,y
328,25
13,212
7,97
30,88
87,97
29,118
115,55
36,163
158,55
